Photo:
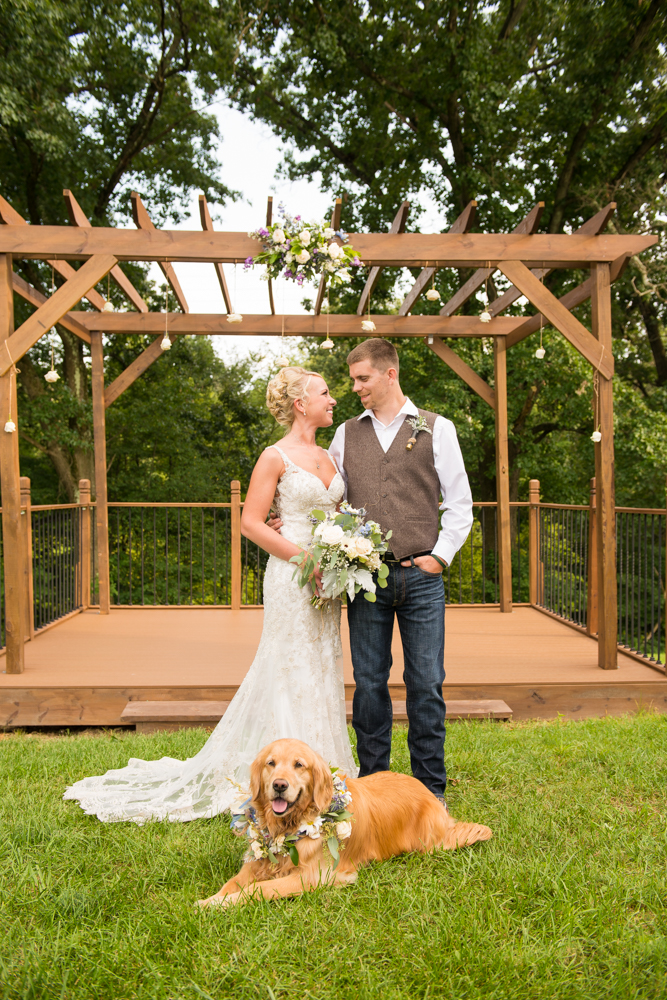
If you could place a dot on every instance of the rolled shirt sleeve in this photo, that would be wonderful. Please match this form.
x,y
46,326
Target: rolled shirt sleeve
x,y
456,505
337,452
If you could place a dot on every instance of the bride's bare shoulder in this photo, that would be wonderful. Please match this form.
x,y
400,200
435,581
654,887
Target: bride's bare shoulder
x,y
270,463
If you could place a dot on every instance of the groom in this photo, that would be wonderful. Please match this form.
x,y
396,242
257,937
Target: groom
x,y
400,487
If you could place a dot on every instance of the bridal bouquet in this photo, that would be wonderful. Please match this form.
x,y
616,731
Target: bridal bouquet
x,y
303,251
348,551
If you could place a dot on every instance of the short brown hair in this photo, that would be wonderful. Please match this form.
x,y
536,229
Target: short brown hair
x,y
381,354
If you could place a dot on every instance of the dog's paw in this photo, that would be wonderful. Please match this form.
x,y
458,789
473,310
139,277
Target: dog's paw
x,y
212,901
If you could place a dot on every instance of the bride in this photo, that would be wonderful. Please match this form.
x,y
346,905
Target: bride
x,y
294,687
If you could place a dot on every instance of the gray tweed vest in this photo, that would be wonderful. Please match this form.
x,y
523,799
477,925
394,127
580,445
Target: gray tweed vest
x,y
399,489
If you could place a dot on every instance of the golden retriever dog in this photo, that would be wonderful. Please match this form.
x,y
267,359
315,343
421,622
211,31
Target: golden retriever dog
x,y
391,814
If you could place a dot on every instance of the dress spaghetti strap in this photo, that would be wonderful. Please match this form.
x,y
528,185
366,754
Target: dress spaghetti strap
x,y
286,459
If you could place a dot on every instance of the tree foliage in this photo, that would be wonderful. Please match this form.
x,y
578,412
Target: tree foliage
x,y
509,103
102,98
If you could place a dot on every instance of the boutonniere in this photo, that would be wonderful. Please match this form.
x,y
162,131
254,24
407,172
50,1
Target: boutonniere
x,y
418,424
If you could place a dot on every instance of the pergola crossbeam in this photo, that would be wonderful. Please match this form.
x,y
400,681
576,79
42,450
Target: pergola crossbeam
x,y
462,224
263,324
386,249
397,226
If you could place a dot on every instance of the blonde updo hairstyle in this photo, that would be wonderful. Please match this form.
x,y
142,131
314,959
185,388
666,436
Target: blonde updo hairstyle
x,y
284,389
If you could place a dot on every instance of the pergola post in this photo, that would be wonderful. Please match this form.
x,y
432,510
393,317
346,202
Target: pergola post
x,y
605,514
502,474
12,535
100,444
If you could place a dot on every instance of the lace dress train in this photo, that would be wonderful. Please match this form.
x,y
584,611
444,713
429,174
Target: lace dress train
x,y
294,688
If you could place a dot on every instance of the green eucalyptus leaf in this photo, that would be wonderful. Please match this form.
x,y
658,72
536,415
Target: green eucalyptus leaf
x,y
332,844
371,598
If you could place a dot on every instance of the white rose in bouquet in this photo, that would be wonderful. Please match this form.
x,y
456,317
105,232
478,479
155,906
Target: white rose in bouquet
x,y
364,546
303,257
304,237
329,234
344,830
331,534
334,251
374,562
289,257
278,236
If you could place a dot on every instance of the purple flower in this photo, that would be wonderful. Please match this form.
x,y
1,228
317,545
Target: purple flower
x,y
263,232
297,218
356,262
288,273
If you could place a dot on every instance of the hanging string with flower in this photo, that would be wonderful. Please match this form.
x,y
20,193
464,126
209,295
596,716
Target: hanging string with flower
x,y
303,251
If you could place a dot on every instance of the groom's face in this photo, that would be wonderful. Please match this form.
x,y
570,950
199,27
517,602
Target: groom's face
x,y
372,387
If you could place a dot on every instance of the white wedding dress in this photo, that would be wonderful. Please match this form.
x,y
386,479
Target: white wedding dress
x,y
294,688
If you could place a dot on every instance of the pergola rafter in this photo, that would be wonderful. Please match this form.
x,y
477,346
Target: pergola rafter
x,y
461,225
523,256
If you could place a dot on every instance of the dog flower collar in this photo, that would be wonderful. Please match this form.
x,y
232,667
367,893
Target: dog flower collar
x,y
332,825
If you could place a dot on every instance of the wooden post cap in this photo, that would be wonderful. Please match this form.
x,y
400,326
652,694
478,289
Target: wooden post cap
x,y
24,482
84,491
236,486
534,491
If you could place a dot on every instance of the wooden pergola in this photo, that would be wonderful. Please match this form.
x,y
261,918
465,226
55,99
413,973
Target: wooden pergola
x,y
523,256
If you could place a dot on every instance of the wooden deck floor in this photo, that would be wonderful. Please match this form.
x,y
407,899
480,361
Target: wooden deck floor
x,y
83,671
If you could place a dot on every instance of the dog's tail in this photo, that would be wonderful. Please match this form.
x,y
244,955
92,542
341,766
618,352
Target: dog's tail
x,y
464,834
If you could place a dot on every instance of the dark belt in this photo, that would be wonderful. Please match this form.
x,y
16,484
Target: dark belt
x,y
390,557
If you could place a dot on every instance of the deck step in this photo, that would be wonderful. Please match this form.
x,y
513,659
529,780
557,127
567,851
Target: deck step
x,y
152,716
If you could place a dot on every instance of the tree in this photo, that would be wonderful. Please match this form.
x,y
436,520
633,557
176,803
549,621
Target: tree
x,y
509,103
101,97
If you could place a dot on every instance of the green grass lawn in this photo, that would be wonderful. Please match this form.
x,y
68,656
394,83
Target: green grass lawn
x,y
568,900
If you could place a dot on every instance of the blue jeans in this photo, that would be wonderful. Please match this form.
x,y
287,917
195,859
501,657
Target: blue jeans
x,y
417,599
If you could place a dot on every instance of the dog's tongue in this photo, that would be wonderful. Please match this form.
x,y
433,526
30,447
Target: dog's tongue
x,y
279,805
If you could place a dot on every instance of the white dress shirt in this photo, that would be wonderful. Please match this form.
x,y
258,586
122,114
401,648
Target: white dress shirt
x,y
456,503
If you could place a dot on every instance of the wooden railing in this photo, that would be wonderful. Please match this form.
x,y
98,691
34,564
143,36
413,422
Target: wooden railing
x,y
193,554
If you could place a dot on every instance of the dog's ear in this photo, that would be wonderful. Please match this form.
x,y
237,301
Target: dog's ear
x,y
322,783
256,768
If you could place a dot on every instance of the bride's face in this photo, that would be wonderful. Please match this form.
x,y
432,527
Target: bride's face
x,y
318,408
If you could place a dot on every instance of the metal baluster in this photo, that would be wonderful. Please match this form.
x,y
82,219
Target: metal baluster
x,y
178,559
166,554
215,556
